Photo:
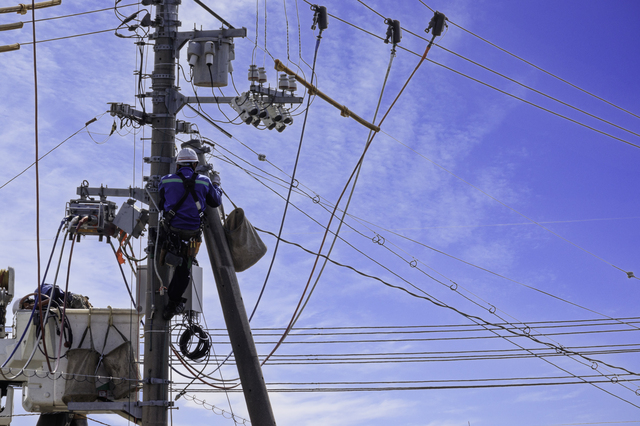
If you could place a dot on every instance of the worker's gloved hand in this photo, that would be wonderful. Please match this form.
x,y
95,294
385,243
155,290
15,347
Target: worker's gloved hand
x,y
216,178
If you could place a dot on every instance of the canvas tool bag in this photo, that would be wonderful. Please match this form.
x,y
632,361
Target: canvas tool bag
x,y
244,242
121,365
82,365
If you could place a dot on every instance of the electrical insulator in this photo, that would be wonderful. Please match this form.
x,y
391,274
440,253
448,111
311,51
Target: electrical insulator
x,y
194,52
209,51
286,116
292,84
253,73
262,75
274,113
283,83
263,112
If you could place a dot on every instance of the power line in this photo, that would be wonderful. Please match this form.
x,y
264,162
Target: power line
x,y
629,274
409,239
535,66
511,79
96,118
82,13
71,36
495,88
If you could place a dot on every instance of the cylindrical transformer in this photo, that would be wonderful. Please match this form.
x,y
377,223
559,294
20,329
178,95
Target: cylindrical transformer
x,y
212,67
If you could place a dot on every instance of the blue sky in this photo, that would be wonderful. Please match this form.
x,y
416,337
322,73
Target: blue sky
x,y
459,167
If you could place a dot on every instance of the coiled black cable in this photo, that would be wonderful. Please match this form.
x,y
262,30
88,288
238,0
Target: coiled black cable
x,y
202,348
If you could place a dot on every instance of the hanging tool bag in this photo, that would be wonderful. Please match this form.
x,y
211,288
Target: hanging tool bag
x,y
121,365
80,385
244,242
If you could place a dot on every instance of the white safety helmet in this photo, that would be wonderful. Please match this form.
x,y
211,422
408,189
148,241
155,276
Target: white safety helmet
x,y
186,156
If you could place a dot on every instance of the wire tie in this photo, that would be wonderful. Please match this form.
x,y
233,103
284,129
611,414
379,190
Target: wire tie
x,y
527,330
295,183
316,199
453,286
559,349
594,365
492,309
615,379
378,239
413,263
638,391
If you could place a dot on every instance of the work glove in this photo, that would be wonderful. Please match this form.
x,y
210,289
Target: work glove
x,y
216,178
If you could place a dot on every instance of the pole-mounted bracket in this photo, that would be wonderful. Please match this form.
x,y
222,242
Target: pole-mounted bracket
x,y
158,159
127,111
103,192
275,96
158,403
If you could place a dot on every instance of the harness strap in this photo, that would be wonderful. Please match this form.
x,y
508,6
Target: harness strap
x,y
189,188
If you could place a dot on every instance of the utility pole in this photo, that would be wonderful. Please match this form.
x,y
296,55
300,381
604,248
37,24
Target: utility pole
x,y
166,102
155,401
235,314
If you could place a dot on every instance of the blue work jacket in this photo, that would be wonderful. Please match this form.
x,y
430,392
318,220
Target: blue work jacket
x,y
172,189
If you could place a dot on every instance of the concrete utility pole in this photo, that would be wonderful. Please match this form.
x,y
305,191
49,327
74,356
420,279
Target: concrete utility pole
x,y
235,314
155,402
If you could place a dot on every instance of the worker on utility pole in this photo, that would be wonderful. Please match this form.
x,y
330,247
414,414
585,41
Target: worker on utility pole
x,y
182,201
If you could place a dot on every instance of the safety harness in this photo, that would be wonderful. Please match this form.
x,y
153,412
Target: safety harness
x,y
189,188
173,247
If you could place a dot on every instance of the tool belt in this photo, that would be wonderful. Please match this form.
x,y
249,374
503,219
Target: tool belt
x,y
178,245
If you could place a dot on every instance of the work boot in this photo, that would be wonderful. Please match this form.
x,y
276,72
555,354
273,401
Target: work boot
x,y
173,308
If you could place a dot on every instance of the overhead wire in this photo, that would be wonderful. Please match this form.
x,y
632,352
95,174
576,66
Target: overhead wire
x,y
431,277
497,89
71,36
511,208
52,149
295,167
535,66
82,13
470,317
511,79
344,190
400,235
353,187
478,320
539,92
531,220
37,177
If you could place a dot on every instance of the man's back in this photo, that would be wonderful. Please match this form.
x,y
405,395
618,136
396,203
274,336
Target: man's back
x,y
172,190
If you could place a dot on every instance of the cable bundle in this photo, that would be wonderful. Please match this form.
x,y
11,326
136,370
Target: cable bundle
x,y
203,346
